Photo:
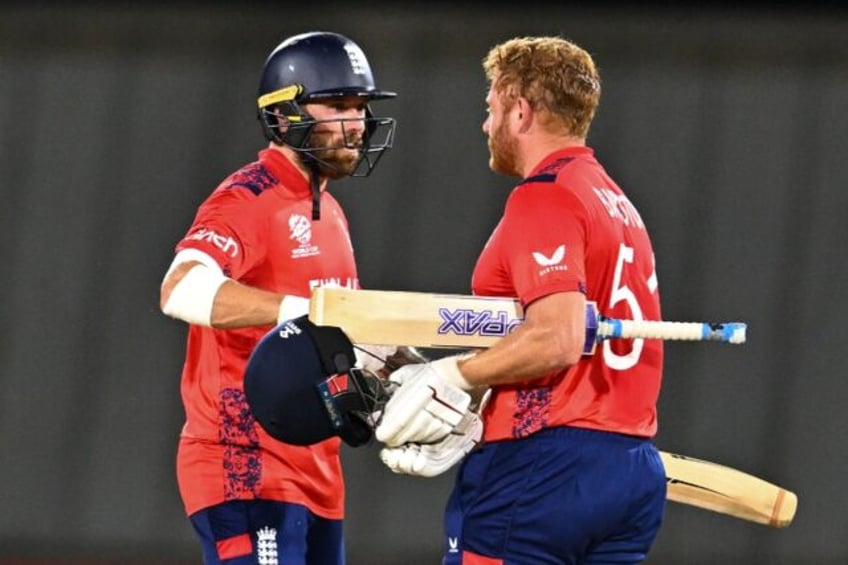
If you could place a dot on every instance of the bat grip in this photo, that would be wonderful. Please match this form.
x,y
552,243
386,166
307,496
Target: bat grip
x,y
733,332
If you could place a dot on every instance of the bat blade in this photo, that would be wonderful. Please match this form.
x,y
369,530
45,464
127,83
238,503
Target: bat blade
x,y
726,490
415,318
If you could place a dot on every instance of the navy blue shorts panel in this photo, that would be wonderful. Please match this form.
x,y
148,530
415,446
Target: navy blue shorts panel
x,y
265,532
561,496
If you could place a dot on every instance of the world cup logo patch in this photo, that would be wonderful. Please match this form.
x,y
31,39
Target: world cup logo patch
x,y
300,230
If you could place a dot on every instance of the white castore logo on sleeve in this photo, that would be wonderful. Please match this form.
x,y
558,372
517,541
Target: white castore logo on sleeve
x,y
552,262
545,261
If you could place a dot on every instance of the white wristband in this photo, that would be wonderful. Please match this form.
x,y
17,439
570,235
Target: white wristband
x,y
292,307
447,368
192,298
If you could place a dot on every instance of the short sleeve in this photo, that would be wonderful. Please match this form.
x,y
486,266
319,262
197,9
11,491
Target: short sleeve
x,y
228,227
545,231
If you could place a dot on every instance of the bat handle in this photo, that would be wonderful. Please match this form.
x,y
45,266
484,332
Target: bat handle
x,y
599,328
731,332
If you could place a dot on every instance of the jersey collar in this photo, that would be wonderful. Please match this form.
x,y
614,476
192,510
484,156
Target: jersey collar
x,y
291,180
566,153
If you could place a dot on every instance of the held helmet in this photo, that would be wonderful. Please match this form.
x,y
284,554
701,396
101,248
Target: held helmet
x,y
312,67
302,387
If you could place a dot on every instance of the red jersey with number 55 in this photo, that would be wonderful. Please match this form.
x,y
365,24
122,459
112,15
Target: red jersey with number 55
x,y
258,227
569,228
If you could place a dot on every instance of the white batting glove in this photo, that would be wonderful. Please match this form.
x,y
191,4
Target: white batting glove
x,y
427,405
430,460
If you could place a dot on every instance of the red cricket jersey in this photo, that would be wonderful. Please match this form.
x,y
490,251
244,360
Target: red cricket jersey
x,y
569,227
257,225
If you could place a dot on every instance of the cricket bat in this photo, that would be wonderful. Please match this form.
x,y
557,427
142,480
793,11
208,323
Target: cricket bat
x,y
459,321
420,319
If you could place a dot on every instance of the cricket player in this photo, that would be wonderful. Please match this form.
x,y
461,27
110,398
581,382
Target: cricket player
x,y
567,471
259,243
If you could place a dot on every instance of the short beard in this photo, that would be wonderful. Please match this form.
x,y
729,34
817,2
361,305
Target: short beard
x,y
333,162
503,154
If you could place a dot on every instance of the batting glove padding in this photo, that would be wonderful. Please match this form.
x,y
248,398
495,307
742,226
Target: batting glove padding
x,y
427,404
430,460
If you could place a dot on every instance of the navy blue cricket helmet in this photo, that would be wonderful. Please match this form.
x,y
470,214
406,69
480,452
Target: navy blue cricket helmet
x,y
302,387
316,66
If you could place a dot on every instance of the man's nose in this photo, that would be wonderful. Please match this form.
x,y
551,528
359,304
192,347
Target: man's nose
x,y
357,122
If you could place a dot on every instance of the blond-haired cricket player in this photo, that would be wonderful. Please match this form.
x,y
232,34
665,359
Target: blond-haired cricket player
x,y
567,471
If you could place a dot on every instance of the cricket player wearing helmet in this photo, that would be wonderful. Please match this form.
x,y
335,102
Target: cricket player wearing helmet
x,y
259,243
567,472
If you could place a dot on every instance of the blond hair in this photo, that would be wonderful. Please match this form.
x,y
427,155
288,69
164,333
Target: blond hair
x,y
557,77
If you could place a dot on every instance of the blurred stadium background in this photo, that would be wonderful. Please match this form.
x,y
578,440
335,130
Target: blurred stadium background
x,y
727,126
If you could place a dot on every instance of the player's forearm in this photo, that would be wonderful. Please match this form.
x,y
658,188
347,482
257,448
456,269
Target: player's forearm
x,y
550,340
524,355
239,306
199,293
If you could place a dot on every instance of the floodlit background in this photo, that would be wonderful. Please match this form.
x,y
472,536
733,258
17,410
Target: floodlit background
x,y
727,128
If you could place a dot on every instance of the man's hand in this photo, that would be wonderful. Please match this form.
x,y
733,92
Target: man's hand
x,y
430,460
373,357
403,355
383,359
428,404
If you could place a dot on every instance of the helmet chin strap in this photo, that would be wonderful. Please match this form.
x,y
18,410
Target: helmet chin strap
x,y
314,181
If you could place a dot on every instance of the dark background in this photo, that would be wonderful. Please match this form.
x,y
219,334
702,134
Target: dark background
x,y
727,127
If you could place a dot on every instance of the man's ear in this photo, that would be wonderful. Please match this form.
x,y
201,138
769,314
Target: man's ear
x,y
523,113
282,121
